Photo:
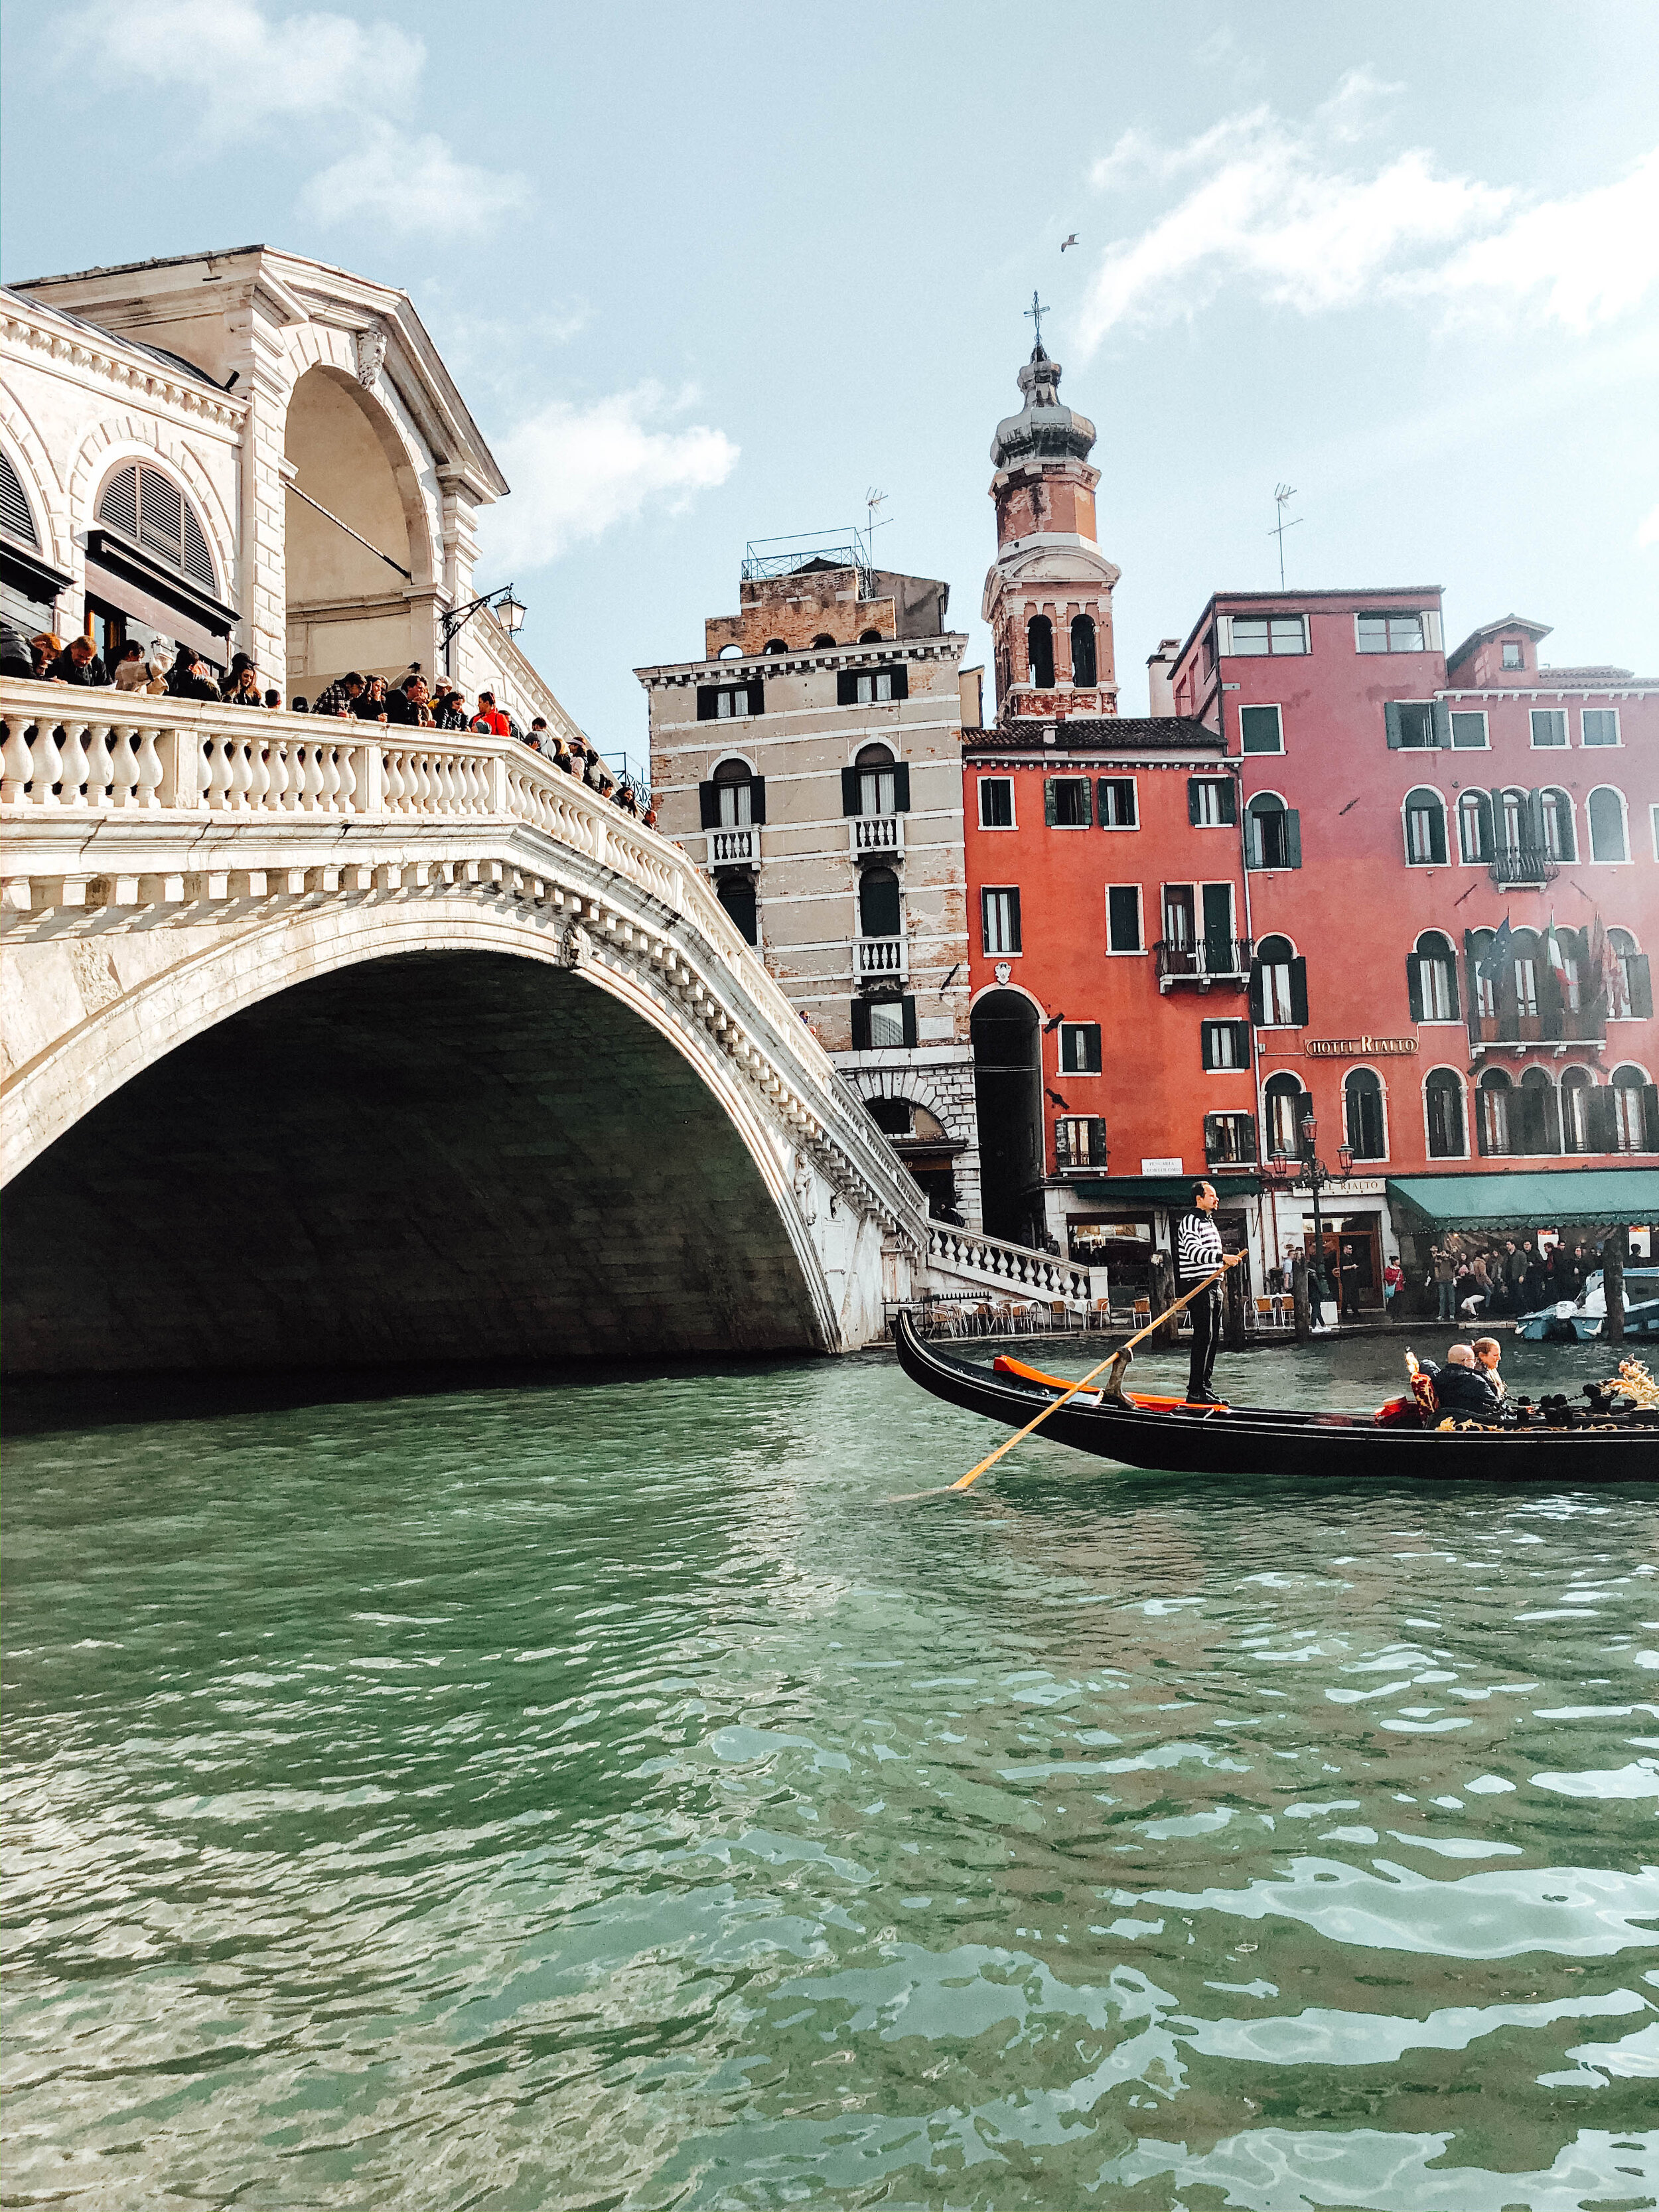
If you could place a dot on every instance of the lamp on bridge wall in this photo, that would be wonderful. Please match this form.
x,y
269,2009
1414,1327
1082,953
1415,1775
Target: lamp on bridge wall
x,y
508,609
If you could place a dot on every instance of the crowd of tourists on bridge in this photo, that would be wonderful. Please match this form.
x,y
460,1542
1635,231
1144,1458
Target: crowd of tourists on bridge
x,y
412,701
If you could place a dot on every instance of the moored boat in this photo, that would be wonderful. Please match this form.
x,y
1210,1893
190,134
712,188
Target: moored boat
x,y
1260,1440
1564,1322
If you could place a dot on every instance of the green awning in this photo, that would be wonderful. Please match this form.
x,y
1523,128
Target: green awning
x,y
1166,1190
1533,1198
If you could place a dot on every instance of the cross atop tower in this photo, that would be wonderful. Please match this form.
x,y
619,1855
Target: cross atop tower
x,y
1035,314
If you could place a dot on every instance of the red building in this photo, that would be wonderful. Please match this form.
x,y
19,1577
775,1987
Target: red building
x,y
1281,895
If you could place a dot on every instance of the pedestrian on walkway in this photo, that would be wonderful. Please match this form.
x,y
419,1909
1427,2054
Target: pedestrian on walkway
x,y
1442,1278
1392,1280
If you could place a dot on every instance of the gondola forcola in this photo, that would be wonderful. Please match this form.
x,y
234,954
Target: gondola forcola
x,y
1262,1440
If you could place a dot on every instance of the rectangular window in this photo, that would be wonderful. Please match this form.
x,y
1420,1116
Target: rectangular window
x,y
1211,802
1526,986
1117,803
1079,1047
1513,655
736,807
877,790
1601,726
1549,726
1434,986
1390,634
1227,1045
871,687
886,1024
1123,918
1468,732
1229,1140
1425,840
1068,802
1410,725
1261,729
724,703
1263,633
996,802
999,916
1079,1141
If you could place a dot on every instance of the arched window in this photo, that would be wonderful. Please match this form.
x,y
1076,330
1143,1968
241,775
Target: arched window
x,y
1362,1100
730,653
1432,979
1493,1116
1577,1124
869,637
1273,833
1524,972
1630,996
1425,828
1540,1116
1040,651
1278,985
878,903
734,790
1635,1112
16,516
775,645
1083,651
1442,1097
1559,843
1284,1103
1509,822
1608,840
148,507
822,642
1483,989
877,781
1474,827
736,895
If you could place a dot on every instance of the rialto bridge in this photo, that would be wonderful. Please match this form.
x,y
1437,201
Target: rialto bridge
x,y
330,1046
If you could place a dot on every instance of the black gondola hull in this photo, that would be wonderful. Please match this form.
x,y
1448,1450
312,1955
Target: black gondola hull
x,y
1243,1441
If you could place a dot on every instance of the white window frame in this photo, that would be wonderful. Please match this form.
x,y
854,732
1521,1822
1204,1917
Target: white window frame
x,y
1591,853
1079,1074
1507,645
1127,952
1134,800
1621,1093
1087,782
1655,813
1226,649
1217,1022
1463,1094
1600,744
1463,803
1456,714
1425,961
1273,967
1358,1067
1533,712
1428,616
1003,952
1261,706
1407,811
1012,822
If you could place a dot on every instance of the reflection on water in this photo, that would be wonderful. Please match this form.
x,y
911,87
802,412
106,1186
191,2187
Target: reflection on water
x,y
602,1796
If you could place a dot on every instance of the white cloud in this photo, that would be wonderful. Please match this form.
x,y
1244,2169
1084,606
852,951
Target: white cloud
x,y
232,71
1647,531
577,470
409,183
1281,209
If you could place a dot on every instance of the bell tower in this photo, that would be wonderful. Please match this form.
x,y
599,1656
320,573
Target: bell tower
x,y
1049,594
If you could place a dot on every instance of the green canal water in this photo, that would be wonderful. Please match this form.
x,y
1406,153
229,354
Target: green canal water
x,y
569,1795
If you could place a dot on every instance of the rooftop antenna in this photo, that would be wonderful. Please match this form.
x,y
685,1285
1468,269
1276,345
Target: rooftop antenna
x,y
1035,314
1283,494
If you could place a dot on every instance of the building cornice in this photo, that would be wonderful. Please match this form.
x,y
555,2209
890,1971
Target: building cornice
x,y
951,646
1636,688
46,340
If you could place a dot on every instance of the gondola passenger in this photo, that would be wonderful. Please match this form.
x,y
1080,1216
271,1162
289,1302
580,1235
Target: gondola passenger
x,y
1464,1390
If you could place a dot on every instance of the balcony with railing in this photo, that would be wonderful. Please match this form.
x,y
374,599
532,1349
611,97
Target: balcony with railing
x,y
873,836
1523,867
1210,960
880,959
734,847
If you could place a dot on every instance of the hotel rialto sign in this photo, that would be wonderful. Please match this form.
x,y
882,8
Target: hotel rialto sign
x,y
1357,1048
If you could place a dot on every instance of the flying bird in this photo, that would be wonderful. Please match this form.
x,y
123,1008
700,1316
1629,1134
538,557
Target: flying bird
x,y
1065,242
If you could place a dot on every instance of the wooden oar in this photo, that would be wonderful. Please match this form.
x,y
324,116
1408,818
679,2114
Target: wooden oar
x,y
1121,1353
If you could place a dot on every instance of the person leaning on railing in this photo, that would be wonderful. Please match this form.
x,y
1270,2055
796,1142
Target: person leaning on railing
x,y
15,659
336,698
78,663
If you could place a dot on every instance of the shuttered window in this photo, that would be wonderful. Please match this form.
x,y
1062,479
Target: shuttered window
x,y
149,508
14,515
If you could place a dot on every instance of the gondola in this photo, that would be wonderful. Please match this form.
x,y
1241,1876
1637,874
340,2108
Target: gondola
x,y
1277,1440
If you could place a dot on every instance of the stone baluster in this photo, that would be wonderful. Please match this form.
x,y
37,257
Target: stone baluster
x,y
349,760
279,801
100,768
258,784
330,780
16,762
311,791
124,765
241,775
72,764
393,791
218,774
445,786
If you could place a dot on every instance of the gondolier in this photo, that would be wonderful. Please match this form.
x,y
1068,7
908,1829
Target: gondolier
x,y
1199,1252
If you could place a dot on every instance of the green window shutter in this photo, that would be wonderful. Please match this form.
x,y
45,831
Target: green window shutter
x,y
1603,1129
1641,984
1442,734
1258,994
757,800
1533,818
902,786
1414,986
1049,800
1193,800
849,791
1088,804
1299,991
1292,837
708,806
860,1025
1391,723
1437,836
1228,791
908,1012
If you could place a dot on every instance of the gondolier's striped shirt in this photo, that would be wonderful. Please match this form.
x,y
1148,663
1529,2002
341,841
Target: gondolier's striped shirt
x,y
1199,1250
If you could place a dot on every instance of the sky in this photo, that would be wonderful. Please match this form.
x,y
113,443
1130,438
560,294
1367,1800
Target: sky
x,y
711,273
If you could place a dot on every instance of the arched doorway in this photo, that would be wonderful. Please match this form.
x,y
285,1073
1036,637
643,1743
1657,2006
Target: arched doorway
x,y
1007,1097
349,570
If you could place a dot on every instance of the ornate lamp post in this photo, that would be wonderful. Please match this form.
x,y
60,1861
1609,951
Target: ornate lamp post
x,y
1311,1170
508,609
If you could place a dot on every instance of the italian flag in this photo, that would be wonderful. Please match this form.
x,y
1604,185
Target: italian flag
x,y
1553,953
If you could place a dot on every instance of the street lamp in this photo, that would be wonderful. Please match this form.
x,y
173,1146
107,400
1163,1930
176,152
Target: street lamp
x,y
1286,1172
507,610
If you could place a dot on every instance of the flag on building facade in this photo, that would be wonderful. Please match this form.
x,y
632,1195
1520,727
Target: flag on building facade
x,y
1492,959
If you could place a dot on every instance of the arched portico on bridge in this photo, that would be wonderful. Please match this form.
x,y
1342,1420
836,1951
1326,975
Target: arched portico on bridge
x,y
417,1136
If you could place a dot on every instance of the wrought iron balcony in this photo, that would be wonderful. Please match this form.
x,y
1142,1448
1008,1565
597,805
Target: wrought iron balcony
x,y
879,959
877,836
1526,867
1224,960
734,848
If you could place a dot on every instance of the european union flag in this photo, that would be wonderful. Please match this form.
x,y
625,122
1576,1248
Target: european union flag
x,y
1492,959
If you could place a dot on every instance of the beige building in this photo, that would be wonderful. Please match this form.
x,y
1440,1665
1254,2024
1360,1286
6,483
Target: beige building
x,y
811,763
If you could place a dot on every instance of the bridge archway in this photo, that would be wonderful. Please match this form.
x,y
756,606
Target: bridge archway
x,y
431,1146
348,607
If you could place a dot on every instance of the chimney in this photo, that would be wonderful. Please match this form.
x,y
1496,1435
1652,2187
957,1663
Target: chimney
x,y
1160,675
969,681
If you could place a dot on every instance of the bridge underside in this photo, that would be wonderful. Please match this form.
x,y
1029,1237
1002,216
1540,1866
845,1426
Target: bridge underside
x,y
448,1156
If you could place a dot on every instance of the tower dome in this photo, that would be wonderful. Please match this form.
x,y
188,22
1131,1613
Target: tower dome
x,y
1045,428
